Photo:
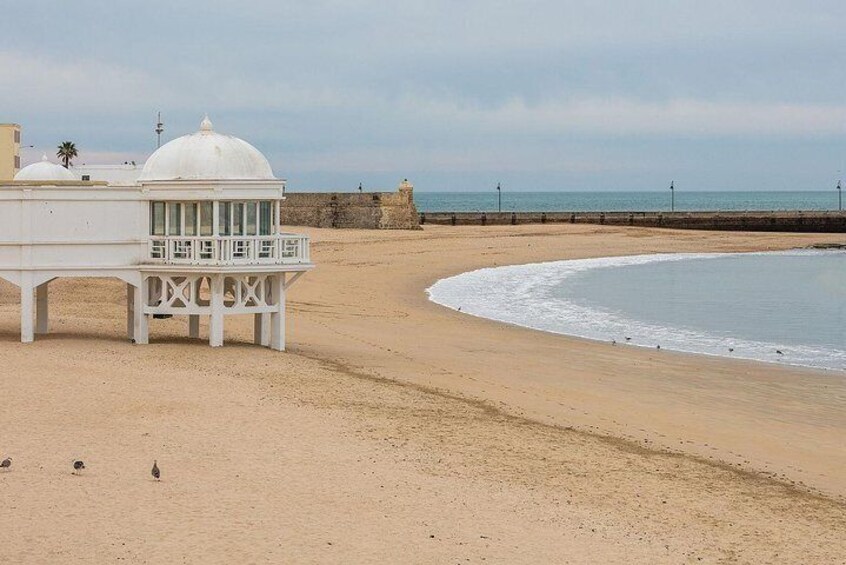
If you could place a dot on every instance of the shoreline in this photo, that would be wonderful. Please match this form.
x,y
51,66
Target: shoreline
x,y
451,291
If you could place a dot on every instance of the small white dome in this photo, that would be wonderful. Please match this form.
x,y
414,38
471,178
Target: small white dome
x,y
44,170
206,155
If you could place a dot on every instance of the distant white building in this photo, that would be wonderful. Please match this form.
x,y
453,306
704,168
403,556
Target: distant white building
x,y
195,234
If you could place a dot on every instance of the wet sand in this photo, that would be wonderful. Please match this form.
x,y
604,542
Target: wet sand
x,y
395,430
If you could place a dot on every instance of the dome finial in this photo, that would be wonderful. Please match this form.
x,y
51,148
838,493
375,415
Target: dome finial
x,y
44,157
206,124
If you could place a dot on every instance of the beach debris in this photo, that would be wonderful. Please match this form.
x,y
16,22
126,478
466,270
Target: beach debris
x,y
78,466
779,352
155,471
6,463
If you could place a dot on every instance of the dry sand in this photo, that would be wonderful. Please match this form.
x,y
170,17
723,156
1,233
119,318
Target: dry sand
x,y
397,431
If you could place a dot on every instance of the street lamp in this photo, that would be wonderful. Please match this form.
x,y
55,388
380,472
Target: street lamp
x,y
672,196
839,197
499,196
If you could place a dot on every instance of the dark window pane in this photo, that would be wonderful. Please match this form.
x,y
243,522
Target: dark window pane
x,y
174,218
237,218
265,217
206,217
224,218
191,218
157,218
251,218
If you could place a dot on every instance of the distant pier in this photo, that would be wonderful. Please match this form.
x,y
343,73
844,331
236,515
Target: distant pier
x,y
773,221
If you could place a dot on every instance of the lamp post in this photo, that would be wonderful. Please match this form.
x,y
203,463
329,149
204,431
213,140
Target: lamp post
x,y
839,197
499,196
672,196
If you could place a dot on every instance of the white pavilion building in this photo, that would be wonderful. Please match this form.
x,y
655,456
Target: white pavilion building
x,y
197,235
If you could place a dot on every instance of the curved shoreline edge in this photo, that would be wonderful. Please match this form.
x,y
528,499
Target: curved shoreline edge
x,y
513,294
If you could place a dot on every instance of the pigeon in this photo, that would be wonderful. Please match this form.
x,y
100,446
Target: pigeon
x,y
155,471
6,463
78,466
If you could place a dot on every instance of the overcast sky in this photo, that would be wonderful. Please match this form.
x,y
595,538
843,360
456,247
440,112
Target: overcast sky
x,y
454,95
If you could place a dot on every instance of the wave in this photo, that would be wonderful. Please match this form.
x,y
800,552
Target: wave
x,y
524,295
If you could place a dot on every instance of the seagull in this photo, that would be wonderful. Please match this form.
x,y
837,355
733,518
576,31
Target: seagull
x,y
155,471
78,466
779,352
6,463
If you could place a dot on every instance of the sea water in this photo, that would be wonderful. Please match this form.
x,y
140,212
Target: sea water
x,y
783,307
625,201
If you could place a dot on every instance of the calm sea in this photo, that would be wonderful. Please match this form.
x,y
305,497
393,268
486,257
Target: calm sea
x,y
750,306
625,201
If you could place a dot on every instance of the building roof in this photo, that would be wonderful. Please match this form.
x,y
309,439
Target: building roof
x,y
44,170
206,155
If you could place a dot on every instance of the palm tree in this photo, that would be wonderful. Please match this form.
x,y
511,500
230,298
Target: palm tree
x,y
66,152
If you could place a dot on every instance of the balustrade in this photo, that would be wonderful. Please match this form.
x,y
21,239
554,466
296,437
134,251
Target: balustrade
x,y
229,250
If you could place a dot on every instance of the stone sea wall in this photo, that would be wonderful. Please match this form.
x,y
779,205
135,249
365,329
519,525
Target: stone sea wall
x,y
361,210
820,222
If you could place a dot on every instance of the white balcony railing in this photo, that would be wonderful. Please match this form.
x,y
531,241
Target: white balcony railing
x,y
280,249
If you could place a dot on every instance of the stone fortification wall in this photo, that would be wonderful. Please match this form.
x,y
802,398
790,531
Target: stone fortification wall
x,y
821,222
362,210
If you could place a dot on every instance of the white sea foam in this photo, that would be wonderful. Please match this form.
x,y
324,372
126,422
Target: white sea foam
x,y
523,295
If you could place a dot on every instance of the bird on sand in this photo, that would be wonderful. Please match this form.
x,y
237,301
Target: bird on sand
x,y
628,338
613,342
78,466
731,349
6,463
155,471
657,347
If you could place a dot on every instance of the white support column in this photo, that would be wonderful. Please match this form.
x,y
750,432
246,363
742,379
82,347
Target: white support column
x,y
277,318
216,321
42,313
257,329
141,332
27,328
194,326
261,329
130,311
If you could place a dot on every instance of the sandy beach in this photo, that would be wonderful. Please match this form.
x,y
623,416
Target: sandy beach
x,y
398,431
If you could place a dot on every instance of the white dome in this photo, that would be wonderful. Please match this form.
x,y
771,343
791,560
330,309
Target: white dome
x,y
206,155
44,170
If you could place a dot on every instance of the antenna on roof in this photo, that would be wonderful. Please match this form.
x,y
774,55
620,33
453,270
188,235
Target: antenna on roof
x,y
159,130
